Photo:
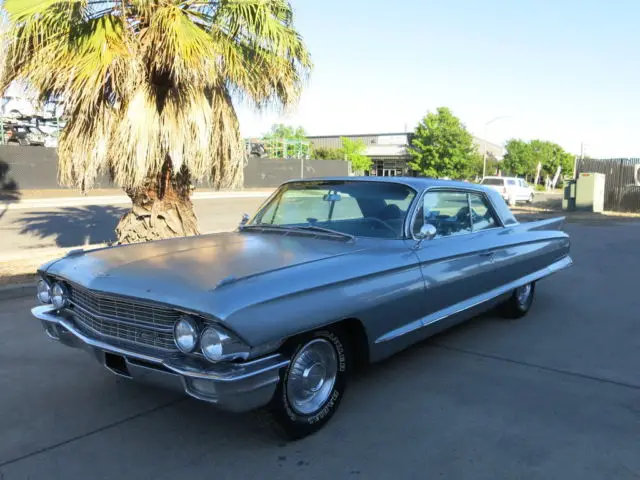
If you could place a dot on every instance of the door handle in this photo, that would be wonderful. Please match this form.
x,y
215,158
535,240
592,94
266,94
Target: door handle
x,y
486,254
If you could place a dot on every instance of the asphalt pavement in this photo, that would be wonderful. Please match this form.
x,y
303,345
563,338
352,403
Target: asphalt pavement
x,y
25,230
555,395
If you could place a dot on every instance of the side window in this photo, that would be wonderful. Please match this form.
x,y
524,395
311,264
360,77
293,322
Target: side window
x,y
511,183
447,211
482,216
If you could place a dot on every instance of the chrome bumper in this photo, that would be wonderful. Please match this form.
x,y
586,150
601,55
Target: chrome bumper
x,y
236,387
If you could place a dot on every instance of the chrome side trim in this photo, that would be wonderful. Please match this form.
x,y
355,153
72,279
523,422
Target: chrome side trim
x,y
561,264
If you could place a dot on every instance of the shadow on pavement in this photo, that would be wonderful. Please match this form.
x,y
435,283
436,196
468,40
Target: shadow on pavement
x,y
9,191
74,226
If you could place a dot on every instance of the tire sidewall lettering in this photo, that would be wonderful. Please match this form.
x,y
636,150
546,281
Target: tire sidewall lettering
x,y
330,404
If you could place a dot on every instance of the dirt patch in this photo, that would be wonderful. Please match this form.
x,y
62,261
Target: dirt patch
x,y
553,208
18,279
23,270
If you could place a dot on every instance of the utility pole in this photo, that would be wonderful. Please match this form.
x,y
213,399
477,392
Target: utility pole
x,y
484,142
575,160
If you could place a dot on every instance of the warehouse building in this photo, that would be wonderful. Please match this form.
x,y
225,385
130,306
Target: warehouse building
x,y
389,151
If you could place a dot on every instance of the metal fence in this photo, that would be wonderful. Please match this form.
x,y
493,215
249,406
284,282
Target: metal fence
x,y
622,182
26,168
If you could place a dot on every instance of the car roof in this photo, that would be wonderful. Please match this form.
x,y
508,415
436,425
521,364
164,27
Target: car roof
x,y
502,178
417,183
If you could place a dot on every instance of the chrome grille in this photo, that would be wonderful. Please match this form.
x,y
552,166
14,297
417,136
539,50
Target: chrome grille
x,y
122,319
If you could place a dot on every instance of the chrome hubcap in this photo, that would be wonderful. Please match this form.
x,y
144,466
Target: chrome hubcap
x,y
312,376
523,293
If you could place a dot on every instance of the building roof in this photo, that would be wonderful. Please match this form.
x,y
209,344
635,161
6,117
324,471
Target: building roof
x,y
351,135
396,147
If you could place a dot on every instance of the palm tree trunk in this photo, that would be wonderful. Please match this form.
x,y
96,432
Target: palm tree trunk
x,y
161,208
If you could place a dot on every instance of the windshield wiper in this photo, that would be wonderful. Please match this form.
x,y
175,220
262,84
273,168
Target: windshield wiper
x,y
330,231
293,228
264,226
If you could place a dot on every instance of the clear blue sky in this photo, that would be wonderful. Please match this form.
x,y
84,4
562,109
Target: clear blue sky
x,y
563,70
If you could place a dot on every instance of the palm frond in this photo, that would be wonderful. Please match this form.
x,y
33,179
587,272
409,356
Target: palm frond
x,y
150,81
263,56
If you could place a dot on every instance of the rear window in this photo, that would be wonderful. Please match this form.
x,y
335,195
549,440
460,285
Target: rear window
x,y
492,181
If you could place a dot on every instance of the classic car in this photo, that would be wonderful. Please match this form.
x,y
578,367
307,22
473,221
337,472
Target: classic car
x,y
328,275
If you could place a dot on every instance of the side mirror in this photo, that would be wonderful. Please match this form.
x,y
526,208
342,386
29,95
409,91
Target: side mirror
x,y
244,220
427,232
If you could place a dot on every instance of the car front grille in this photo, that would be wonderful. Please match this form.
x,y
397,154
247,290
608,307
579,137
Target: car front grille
x,y
103,315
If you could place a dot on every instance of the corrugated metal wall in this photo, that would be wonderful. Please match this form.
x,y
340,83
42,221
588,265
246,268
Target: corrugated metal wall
x,y
334,141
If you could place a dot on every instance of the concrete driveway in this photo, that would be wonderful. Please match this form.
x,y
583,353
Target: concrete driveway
x,y
554,395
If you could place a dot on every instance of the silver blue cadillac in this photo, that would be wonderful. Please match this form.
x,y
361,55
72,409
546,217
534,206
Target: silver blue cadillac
x,y
328,275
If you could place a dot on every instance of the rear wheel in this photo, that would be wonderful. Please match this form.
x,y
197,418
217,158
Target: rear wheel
x,y
520,301
311,386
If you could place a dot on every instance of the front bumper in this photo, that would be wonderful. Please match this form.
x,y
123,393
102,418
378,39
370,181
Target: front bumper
x,y
236,387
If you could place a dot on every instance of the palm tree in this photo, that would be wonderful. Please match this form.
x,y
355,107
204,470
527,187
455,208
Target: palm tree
x,y
148,87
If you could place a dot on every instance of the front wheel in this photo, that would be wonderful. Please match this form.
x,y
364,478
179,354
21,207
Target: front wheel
x,y
312,385
530,200
520,301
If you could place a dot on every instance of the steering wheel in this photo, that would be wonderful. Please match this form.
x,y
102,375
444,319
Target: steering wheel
x,y
463,214
383,223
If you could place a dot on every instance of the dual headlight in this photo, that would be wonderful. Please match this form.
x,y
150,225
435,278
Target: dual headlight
x,y
57,295
214,343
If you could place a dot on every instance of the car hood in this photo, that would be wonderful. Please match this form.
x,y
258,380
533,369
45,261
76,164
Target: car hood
x,y
184,271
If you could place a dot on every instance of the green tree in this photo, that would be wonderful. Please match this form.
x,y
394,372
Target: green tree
x,y
325,153
353,151
285,141
519,158
148,86
493,166
522,158
280,130
442,147
551,156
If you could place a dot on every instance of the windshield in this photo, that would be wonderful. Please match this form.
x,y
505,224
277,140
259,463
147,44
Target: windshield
x,y
493,181
360,208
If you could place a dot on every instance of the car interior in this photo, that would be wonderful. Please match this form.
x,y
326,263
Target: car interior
x,y
356,208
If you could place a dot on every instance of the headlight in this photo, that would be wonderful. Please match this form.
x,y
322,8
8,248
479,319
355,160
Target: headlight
x,y
185,334
217,345
44,292
59,296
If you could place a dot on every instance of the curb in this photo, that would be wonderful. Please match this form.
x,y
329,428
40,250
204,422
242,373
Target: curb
x,y
11,292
